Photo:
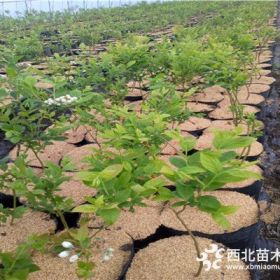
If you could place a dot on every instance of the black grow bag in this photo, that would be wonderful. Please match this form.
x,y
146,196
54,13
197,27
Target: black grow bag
x,y
240,239
252,190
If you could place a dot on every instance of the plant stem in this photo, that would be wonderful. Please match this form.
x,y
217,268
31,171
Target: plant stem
x,y
196,245
62,219
14,205
38,158
95,233
18,150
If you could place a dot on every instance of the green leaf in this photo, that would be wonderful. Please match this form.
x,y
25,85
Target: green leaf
x,y
85,269
164,194
192,169
122,196
221,220
210,162
67,164
179,204
187,143
19,211
110,216
155,183
3,93
88,176
137,188
208,203
227,210
111,172
130,63
230,140
86,208
228,156
11,71
178,161
231,175
184,191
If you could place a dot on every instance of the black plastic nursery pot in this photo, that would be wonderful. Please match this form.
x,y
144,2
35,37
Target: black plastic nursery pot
x,y
71,218
240,239
7,200
252,158
5,145
133,98
252,190
265,94
197,133
175,258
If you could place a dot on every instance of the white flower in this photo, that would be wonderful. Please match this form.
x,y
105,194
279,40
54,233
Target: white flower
x,y
110,250
64,254
67,99
106,258
67,245
108,254
73,258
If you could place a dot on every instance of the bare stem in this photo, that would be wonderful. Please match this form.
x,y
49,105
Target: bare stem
x,y
38,158
14,205
198,253
62,218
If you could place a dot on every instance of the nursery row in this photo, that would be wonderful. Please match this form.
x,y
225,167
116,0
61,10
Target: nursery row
x,y
36,34
129,164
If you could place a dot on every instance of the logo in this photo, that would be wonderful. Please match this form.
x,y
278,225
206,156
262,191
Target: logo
x,y
260,259
216,262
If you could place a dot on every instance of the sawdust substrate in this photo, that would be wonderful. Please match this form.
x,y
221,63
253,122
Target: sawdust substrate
x,y
55,268
252,99
197,107
78,155
263,80
266,53
75,189
254,89
75,135
207,97
248,182
97,115
214,89
135,106
264,72
53,152
224,113
42,66
182,87
139,224
264,65
139,85
43,85
31,222
174,258
173,146
92,136
195,124
246,215
206,139
255,149
264,59
225,125
135,92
